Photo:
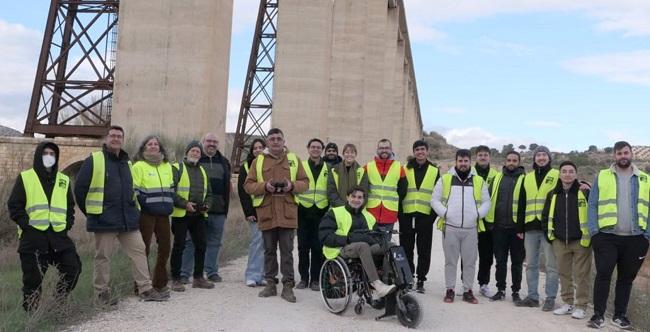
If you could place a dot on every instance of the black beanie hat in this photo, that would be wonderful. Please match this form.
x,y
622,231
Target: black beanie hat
x,y
332,145
193,144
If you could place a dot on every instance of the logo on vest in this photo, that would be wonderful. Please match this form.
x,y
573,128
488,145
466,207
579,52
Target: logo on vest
x,y
582,203
550,180
291,163
643,178
63,183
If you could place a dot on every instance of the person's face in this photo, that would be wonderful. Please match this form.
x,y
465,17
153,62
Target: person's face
x,y
568,174
623,157
384,150
275,142
483,158
152,146
512,162
420,153
210,144
541,159
349,155
463,163
49,152
315,149
258,147
355,199
331,153
194,153
114,139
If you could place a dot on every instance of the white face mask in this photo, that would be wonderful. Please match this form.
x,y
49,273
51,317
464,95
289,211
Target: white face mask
x,y
48,161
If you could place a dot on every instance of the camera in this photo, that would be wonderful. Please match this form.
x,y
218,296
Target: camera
x,y
279,187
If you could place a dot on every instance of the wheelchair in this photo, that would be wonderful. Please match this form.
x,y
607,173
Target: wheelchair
x,y
342,278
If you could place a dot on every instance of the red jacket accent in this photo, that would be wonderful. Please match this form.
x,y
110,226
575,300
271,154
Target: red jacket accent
x,y
381,213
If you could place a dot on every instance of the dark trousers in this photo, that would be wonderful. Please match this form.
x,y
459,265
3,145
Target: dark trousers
x,y
35,266
506,243
626,253
282,237
158,225
180,226
416,230
485,257
310,250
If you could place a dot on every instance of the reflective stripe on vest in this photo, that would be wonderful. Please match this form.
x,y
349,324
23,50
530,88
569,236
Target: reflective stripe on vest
x,y
317,192
359,175
607,207
585,239
495,196
183,189
95,195
419,199
343,225
293,173
536,197
156,182
477,186
42,213
383,191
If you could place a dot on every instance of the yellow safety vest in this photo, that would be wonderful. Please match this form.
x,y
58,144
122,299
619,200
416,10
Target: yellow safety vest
x,y
335,174
383,191
157,180
477,186
183,188
607,207
419,199
42,213
317,192
246,168
293,172
536,197
343,225
95,195
492,173
585,240
495,196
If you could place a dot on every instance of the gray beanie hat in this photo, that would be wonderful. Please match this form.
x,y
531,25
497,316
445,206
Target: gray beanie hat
x,y
544,149
193,144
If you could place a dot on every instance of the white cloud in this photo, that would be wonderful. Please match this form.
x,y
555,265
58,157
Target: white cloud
x,y
630,67
244,15
544,124
473,136
423,33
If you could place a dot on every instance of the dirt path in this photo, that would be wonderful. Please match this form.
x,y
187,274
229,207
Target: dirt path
x,y
231,306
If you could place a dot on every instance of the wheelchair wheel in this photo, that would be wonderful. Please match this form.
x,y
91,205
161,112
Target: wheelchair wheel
x,y
335,285
412,316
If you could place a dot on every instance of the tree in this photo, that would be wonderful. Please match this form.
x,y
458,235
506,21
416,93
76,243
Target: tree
x,y
522,148
533,146
593,148
609,149
507,148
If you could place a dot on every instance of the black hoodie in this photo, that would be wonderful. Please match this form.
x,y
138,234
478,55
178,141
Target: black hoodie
x,y
33,240
566,223
328,226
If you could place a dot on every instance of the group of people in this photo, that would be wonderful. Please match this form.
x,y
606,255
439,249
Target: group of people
x,y
333,202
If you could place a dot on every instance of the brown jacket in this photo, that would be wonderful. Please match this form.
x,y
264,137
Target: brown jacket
x,y
276,211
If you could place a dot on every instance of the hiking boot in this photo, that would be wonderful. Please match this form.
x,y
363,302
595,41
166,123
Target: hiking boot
x,y
287,292
302,284
622,322
565,309
419,287
314,286
485,291
469,297
549,304
579,313
516,298
105,298
499,296
153,295
527,302
185,280
269,290
449,296
596,322
202,283
177,286
165,292
381,289
215,278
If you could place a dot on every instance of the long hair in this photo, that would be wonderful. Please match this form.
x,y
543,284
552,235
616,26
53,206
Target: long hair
x,y
140,154
251,156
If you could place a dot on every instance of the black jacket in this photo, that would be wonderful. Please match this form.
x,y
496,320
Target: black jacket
x,y
120,213
327,229
505,196
540,174
218,170
566,222
419,171
33,240
245,199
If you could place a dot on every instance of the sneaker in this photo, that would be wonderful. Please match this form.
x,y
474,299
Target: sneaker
x,y
596,322
215,278
499,296
420,287
185,280
549,304
153,295
261,283
527,302
269,290
622,322
251,283
105,298
177,286
202,283
165,291
565,309
287,292
449,296
516,298
469,297
302,284
381,289
578,313
314,286
485,291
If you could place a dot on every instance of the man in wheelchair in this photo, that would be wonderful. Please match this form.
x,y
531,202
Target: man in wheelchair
x,y
345,231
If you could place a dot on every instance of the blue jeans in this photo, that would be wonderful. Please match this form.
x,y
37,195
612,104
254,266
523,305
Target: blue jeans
x,y
535,242
255,267
213,235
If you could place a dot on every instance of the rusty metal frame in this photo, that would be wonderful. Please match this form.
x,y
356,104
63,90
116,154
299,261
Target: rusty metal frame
x,y
257,98
73,88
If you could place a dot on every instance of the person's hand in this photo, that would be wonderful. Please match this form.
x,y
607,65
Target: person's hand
x,y
269,187
584,186
288,187
251,219
190,207
520,236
